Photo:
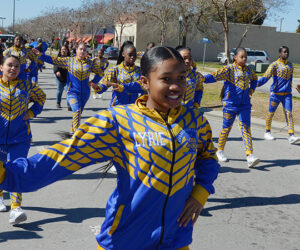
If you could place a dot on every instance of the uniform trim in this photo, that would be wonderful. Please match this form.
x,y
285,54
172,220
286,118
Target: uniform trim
x,y
116,220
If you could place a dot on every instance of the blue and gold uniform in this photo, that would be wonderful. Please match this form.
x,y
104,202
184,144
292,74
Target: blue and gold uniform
x,y
15,134
239,84
194,89
22,54
161,160
33,71
281,91
78,89
128,77
103,63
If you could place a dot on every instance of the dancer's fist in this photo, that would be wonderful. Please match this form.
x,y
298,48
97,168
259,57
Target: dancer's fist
x,y
298,88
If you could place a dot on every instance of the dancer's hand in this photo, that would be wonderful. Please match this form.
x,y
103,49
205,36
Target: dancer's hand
x,y
95,86
191,211
117,87
298,88
37,52
26,116
58,74
251,91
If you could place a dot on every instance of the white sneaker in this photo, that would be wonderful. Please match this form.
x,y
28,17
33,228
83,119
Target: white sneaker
x,y
221,156
2,205
17,216
269,137
293,139
252,161
94,96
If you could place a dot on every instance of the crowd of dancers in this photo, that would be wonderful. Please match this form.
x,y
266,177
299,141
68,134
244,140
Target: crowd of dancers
x,y
154,133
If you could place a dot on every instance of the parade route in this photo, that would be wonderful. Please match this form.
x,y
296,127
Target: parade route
x,y
252,209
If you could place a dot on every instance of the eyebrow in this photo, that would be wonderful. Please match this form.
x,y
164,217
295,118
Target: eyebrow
x,y
172,72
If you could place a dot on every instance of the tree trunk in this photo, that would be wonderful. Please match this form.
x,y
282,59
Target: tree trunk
x,y
163,34
243,36
226,31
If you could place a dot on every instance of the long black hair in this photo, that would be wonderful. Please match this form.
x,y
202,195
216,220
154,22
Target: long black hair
x,y
156,55
125,45
68,51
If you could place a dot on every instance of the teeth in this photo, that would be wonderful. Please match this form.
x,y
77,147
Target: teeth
x,y
174,97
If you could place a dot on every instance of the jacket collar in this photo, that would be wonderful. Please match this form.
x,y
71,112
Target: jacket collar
x,y
81,61
282,61
127,68
239,67
162,118
9,83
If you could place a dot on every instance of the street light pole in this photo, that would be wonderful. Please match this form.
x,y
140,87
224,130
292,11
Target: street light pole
x,y
14,16
179,30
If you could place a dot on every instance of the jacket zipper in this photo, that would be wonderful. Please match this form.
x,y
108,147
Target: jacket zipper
x,y
8,116
170,180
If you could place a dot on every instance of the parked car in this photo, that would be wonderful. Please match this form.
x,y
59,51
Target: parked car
x,y
104,46
111,53
256,56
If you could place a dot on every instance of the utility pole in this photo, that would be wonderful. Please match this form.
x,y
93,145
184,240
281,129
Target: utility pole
x,y
2,18
281,19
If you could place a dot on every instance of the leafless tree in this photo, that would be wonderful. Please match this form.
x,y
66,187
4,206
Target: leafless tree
x,y
195,14
122,13
222,8
161,10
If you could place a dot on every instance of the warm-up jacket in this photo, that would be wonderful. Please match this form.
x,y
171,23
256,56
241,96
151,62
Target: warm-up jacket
x,y
282,73
14,99
194,88
102,62
161,160
238,82
128,77
22,54
78,72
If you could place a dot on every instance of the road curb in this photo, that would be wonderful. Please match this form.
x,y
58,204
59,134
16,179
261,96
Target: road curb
x,y
276,126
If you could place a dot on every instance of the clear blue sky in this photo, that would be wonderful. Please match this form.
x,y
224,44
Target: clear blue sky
x,y
33,8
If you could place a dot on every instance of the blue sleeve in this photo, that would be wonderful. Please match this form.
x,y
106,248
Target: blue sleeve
x,y
209,78
96,78
206,172
94,141
103,88
198,97
133,87
262,81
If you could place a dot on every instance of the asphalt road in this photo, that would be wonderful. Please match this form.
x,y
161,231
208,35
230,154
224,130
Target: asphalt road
x,y
251,209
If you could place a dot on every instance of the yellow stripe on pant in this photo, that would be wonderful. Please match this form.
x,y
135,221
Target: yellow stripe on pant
x,y
16,199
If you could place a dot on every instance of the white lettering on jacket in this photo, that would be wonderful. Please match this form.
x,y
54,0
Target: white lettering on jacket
x,y
149,138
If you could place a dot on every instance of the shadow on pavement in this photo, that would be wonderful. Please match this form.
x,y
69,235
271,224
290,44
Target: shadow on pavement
x,y
277,163
265,164
91,176
73,215
231,203
54,119
225,169
18,235
215,139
